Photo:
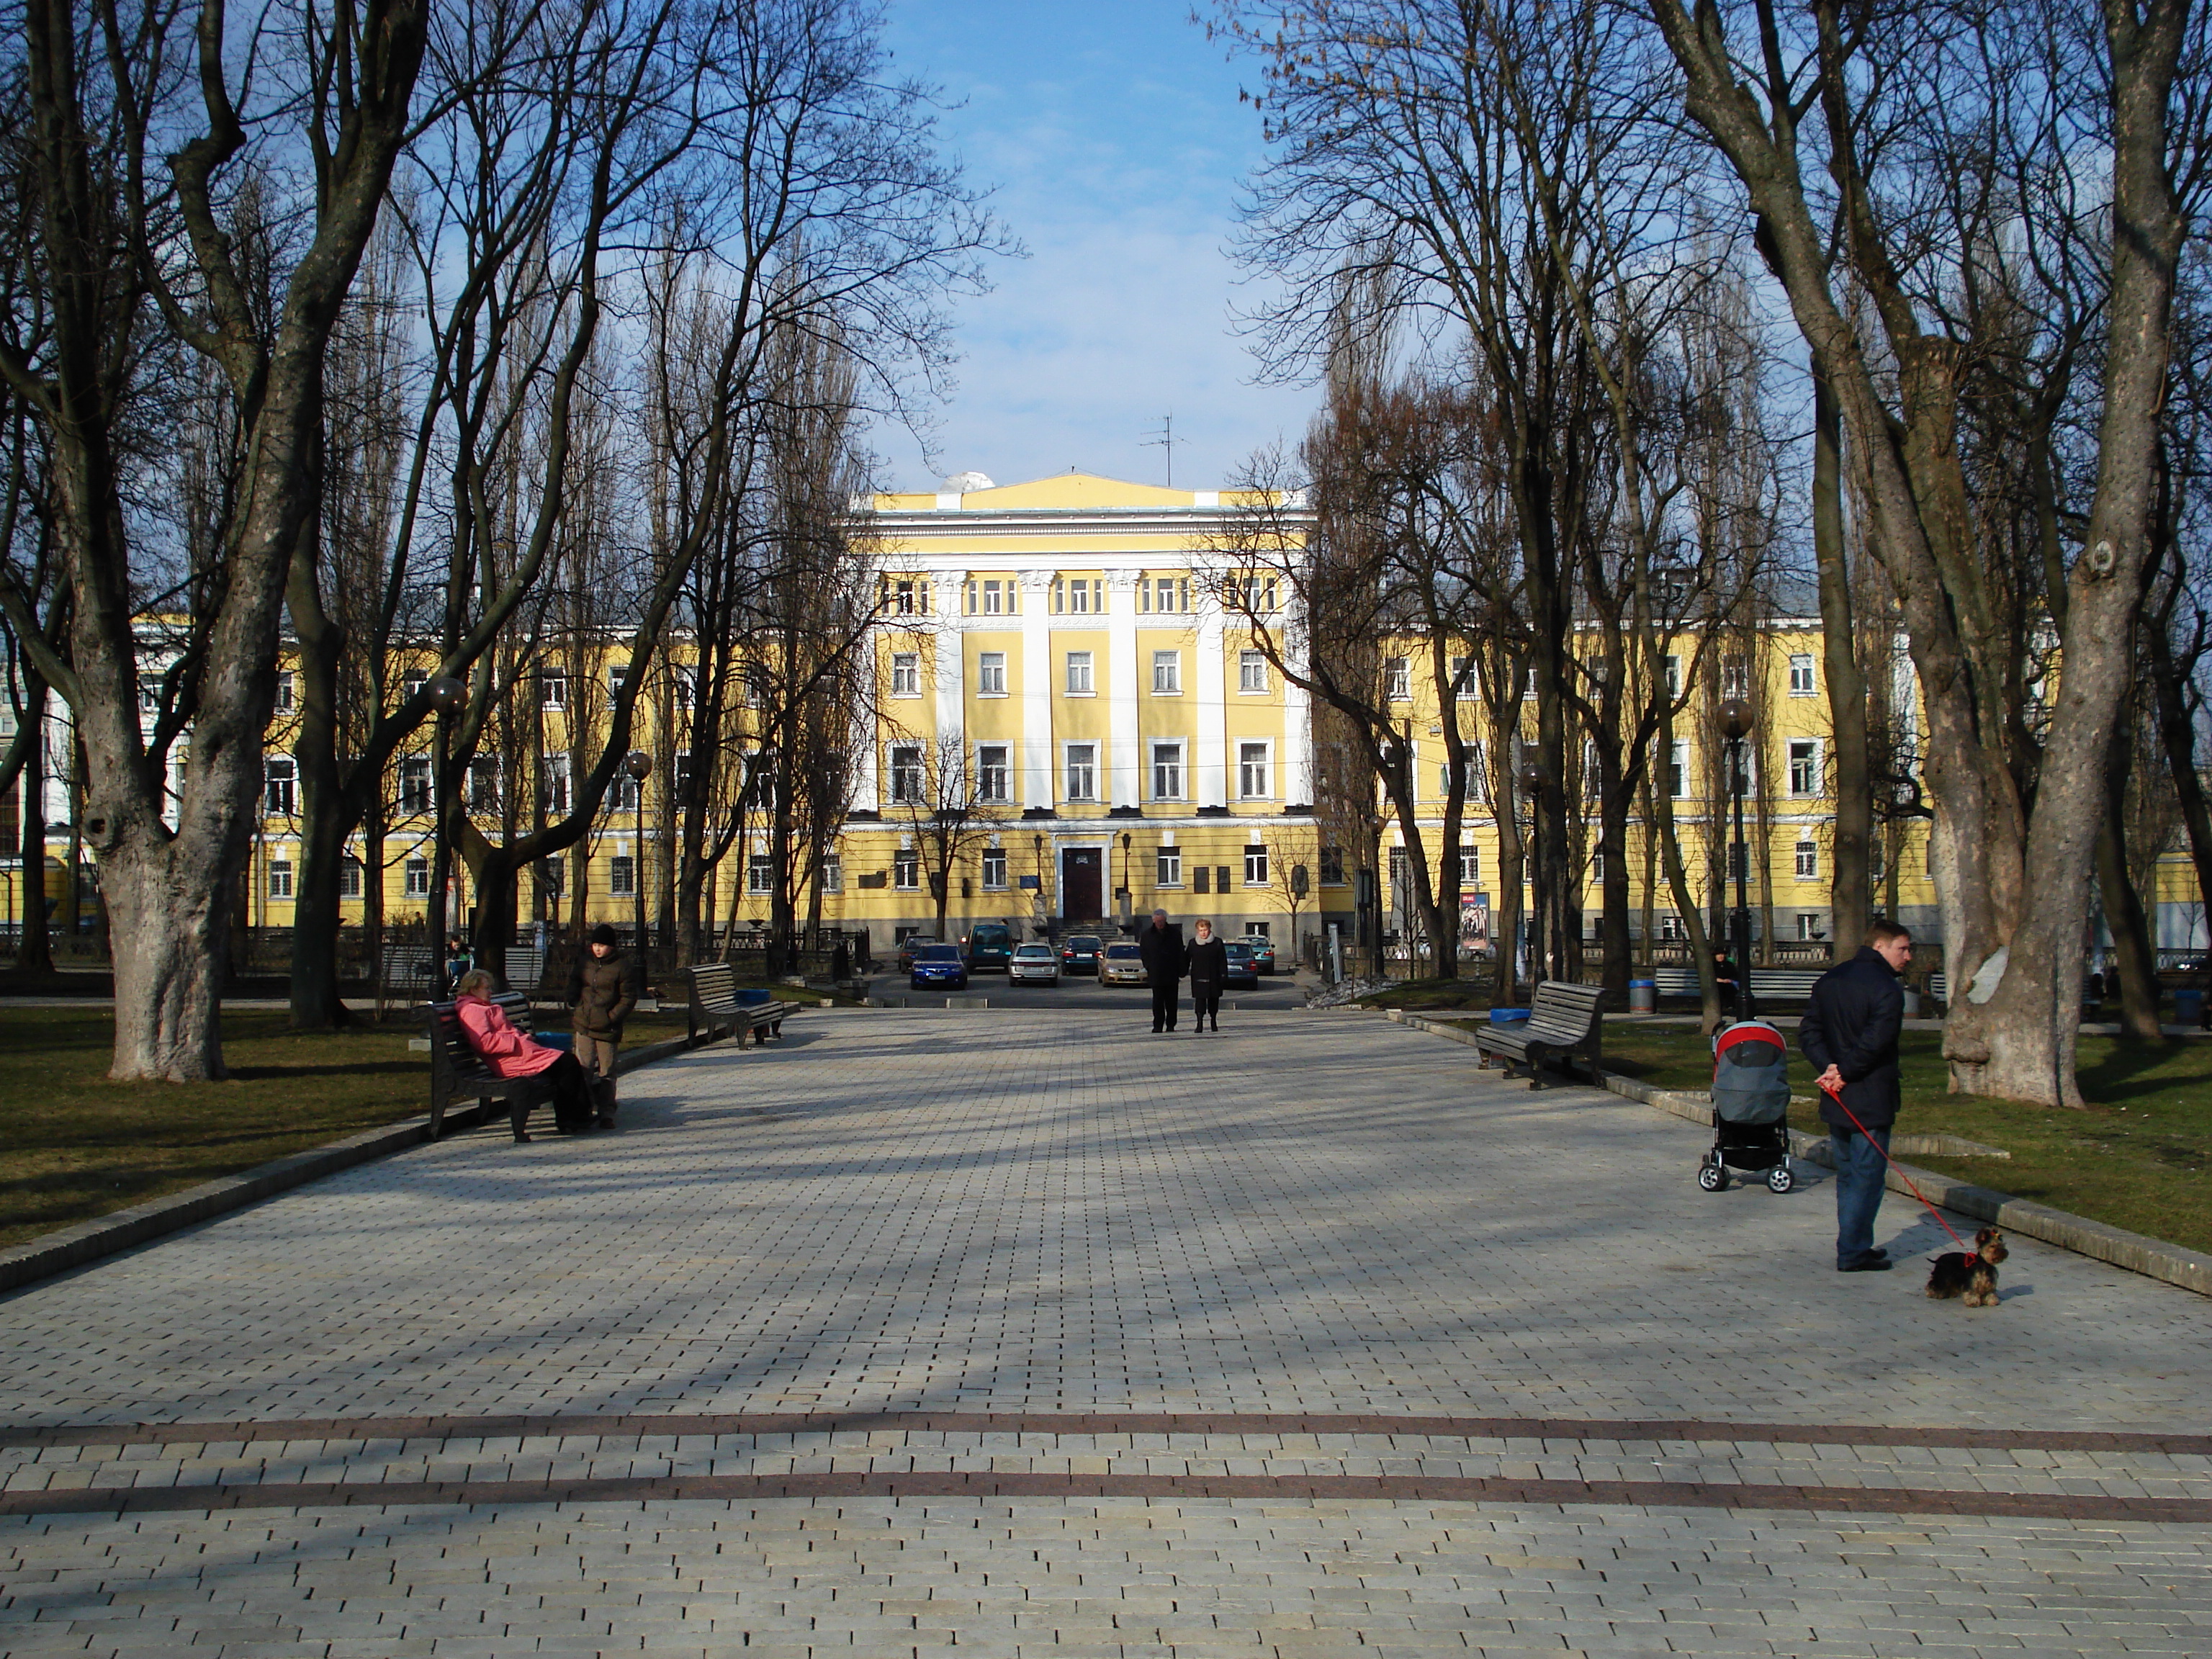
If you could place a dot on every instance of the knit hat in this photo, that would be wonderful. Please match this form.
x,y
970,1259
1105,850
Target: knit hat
x,y
603,934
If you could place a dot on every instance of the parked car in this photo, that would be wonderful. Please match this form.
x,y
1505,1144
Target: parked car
x,y
1078,953
1033,964
938,965
908,948
1263,951
1122,964
1241,970
990,947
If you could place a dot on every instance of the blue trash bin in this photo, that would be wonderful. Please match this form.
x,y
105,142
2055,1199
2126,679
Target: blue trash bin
x,y
1643,996
2189,1004
1508,1016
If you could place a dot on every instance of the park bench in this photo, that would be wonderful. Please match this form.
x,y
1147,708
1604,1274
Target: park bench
x,y
1563,1021
716,1007
456,1073
1785,984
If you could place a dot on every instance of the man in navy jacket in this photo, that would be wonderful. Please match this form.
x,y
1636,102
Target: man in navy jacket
x,y
1850,1030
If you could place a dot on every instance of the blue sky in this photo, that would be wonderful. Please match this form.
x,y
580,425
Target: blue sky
x,y
1112,135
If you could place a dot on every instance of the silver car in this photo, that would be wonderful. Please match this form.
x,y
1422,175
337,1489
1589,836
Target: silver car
x,y
1033,964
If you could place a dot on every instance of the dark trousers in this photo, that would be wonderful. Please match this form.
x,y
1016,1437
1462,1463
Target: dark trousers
x,y
1860,1169
1206,1002
572,1094
1164,1005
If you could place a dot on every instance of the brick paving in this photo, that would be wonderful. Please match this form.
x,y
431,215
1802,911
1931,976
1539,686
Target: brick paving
x,y
1028,1333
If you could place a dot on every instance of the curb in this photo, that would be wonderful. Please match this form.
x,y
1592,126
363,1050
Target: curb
x,y
2154,1258
110,1235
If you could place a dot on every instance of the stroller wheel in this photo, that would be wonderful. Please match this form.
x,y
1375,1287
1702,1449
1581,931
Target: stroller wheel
x,y
1779,1179
1713,1178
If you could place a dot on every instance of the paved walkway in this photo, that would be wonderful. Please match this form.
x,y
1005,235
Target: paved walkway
x,y
1028,1333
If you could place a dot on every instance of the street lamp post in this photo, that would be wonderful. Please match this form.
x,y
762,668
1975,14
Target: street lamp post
x,y
449,696
1128,898
1036,846
1531,786
638,765
1735,727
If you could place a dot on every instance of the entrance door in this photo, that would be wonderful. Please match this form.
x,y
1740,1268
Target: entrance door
x,y
1082,883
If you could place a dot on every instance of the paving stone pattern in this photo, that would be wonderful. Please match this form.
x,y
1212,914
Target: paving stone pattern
x,y
952,1228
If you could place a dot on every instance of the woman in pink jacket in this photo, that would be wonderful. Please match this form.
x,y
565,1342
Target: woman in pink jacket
x,y
510,1054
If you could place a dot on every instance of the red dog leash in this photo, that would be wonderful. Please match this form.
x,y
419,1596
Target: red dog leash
x,y
1837,1095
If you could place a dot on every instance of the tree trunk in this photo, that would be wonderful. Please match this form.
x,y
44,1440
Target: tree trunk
x,y
2133,948
1849,893
34,950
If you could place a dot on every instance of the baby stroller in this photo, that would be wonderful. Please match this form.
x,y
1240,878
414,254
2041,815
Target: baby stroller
x,y
1751,1107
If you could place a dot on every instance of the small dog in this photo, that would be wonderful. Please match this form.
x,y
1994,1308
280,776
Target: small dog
x,y
1973,1277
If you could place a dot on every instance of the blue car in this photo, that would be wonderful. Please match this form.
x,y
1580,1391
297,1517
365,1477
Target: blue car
x,y
939,966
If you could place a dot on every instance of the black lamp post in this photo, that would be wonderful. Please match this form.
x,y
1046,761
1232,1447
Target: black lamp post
x,y
1037,845
449,696
1735,727
1128,894
1532,785
639,764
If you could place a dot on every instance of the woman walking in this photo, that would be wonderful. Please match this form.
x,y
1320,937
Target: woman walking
x,y
509,1053
1208,963
603,991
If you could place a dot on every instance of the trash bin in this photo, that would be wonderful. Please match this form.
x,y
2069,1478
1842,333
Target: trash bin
x,y
1911,1003
1643,996
2189,1004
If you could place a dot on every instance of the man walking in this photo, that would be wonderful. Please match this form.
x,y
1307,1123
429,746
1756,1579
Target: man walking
x,y
1160,947
1850,1030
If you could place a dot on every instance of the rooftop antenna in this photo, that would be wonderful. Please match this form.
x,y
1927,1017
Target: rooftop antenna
x,y
1166,440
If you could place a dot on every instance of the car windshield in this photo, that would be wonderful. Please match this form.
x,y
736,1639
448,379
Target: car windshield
x,y
1083,942
1033,951
938,953
1122,952
1237,947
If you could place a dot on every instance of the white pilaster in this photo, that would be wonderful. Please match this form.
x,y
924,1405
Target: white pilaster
x,y
865,744
1123,769
951,660
1210,781
1037,689
1295,753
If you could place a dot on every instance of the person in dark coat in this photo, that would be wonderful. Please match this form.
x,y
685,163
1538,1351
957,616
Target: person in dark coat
x,y
1160,947
1208,961
603,990
1850,1030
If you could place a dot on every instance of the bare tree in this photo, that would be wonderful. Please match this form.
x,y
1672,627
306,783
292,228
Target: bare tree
x,y
946,809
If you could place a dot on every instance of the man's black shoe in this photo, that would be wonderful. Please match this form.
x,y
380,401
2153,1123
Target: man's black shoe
x,y
1873,1261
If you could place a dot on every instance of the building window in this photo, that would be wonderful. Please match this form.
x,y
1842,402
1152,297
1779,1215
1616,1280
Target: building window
x,y
1808,860
352,877
552,689
1332,866
279,879
1078,597
906,597
552,874
1255,865
993,775
1804,766
1678,769
906,674
627,792
684,774
556,785
990,674
622,875
1082,771
280,798
1808,924
1251,672
1674,677
1735,678
994,869
989,597
760,873
1167,771
1078,674
683,682
1670,926
1255,593
418,879
1168,868
1397,680
1252,771
414,783
1167,674
1164,595
906,870
412,682
484,785
288,694
1801,683
906,774
1470,866
1201,879
833,872
618,677
1462,679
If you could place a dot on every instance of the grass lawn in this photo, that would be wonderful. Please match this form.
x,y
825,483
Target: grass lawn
x,y
1422,995
74,1146
2141,1158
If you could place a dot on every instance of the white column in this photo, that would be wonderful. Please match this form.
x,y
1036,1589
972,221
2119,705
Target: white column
x,y
1295,758
1210,784
1123,767
951,660
865,742
1037,689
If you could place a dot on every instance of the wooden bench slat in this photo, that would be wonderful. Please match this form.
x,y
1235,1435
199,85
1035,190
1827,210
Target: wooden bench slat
x,y
1564,1022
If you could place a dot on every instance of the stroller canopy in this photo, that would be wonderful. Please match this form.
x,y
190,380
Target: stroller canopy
x,y
1751,1074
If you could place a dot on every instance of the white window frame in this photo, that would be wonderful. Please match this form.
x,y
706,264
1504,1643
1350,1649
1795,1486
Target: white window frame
x,y
906,673
1808,860
1735,677
1267,748
1398,679
558,778
353,876
1001,775
760,875
833,872
621,875
1167,674
1470,866
1068,763
1808,924
553,688
1078,678
906,870
280,792
1167,867
1810,756
288,691
1804,677
1181,763
1255,864
413,887
1463,680
990,673
1251,673
418,785
993,863
1678,770
279,872
896,773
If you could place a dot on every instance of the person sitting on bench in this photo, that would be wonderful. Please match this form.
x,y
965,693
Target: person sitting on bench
x,y
509,1053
